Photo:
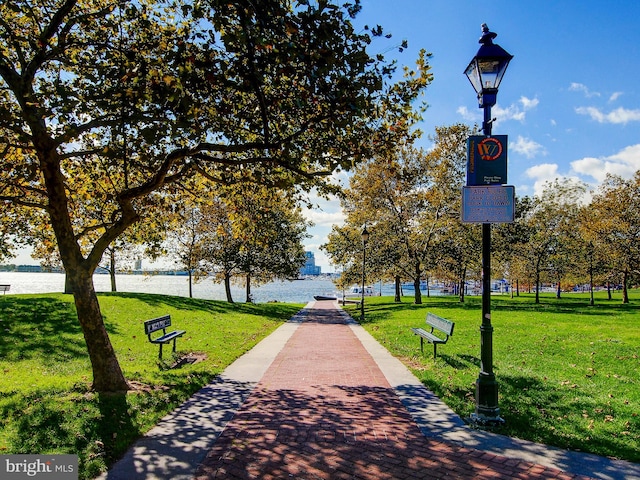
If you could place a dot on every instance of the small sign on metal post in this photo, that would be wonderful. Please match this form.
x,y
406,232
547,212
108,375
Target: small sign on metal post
x,y
488,204
487,160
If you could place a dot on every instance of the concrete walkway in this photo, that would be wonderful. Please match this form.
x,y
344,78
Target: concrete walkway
x,y
321,399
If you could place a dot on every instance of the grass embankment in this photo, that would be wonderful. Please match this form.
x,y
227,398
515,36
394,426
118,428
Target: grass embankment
x,y
46,405
568,373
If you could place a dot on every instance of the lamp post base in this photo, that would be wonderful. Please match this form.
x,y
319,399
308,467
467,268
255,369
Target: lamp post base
x,y
480,421
487,412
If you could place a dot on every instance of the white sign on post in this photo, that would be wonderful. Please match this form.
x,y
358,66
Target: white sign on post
x,y
488,204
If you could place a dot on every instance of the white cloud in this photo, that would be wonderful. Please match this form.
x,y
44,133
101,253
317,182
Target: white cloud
x,y
325,213
546,173
527,147
614,96
323,218
541,174
512,112
579,87
619,115
589,166
467,115
543,171
515,111
529,103
624,163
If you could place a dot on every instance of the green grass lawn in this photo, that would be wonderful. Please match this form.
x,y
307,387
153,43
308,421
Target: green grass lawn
x,y
568,373
46,405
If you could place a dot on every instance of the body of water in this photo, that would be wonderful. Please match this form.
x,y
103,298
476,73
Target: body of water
x,y
296,291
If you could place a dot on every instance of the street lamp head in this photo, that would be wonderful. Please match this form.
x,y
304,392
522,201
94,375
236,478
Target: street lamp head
x,y
486,69
365,235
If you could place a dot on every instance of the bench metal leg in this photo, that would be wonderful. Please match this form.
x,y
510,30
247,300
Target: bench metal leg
x,y
160,350
435,347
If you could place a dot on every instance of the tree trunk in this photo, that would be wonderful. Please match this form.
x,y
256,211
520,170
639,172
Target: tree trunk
x,y
558,289
625,280
248,289
463,277
227,287
397,298
416,285
68,288
112,269
107,374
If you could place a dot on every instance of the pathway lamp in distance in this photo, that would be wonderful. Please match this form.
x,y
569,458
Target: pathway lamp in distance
x,y
365,239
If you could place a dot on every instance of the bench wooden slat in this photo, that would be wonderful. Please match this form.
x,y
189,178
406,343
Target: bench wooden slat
x,y
432,338
442,324
156,324
169,336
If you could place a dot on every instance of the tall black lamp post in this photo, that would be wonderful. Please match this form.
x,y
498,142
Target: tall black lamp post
x,y
365,239
485,73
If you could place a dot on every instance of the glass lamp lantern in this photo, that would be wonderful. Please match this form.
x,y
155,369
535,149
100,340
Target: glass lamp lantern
x,y
486,69
365,235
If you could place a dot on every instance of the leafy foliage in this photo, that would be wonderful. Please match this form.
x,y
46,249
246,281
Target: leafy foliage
x,y
612,225
252,234
410,199
107,108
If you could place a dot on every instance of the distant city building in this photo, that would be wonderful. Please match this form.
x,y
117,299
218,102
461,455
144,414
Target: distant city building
x,y
310,267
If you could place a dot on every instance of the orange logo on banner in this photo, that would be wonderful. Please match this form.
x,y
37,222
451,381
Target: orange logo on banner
x,y
490,149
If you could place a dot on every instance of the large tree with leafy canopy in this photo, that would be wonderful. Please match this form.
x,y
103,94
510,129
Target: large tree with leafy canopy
x,y
105,106
409,198
613,227
251,234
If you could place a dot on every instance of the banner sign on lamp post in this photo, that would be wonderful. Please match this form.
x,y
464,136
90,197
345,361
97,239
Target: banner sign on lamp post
x,y
487,160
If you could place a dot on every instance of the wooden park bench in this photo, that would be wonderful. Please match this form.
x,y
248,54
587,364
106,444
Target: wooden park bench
x,y
437,324
5,288
161,323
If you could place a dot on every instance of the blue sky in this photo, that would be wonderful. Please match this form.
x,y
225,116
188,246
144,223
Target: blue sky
x,y
569,101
